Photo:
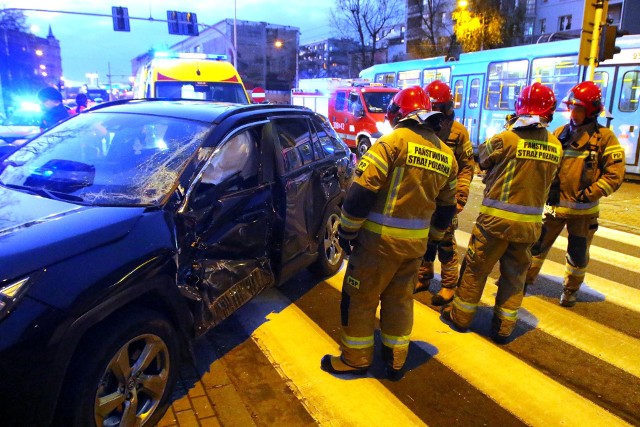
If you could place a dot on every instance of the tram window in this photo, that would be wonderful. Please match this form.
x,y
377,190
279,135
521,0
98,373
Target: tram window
x,y
560,73
505,81
474,93
601,78
630,91
458,91
386,78
408,78
442,74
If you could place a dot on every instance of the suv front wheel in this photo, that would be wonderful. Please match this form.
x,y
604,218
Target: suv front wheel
x,y
123,374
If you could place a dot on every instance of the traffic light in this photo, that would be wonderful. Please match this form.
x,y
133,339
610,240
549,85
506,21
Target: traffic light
x,y
120,17
182,23
608,46
190,24
173,21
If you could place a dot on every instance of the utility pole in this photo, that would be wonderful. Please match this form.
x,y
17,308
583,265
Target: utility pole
x,y
109,77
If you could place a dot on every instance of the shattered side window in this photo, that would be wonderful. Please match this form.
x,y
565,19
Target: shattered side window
x,y
107,159
234,164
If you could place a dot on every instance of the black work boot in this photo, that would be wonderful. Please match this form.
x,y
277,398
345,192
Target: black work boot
x,y
568,297
335,365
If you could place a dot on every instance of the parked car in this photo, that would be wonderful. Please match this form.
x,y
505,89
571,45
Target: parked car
x,y
17,129
130,230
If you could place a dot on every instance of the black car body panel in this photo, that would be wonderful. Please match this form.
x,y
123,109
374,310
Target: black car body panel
x,y
183,231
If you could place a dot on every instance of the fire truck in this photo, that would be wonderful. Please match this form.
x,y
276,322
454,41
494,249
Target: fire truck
x,y
355,109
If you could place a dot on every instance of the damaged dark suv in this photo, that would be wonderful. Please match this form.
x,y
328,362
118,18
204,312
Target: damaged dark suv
x,y
128,231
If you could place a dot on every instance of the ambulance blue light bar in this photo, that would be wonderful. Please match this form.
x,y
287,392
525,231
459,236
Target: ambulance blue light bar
x,y
189,55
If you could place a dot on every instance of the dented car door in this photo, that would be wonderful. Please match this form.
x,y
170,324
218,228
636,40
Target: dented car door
x,y
228,220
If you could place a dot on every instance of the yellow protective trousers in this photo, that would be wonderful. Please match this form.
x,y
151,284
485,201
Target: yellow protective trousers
x,y
581,231
372,279
484,252
448,257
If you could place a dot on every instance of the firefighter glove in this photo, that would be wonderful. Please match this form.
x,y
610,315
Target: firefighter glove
x,y
554,197
344,239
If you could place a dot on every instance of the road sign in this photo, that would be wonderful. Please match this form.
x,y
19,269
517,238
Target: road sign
x,y
258,95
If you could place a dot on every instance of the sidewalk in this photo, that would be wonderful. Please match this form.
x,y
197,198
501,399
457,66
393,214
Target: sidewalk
x,y
621,210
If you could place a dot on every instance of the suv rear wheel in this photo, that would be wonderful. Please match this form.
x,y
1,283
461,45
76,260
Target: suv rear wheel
x,y
123,374
330,254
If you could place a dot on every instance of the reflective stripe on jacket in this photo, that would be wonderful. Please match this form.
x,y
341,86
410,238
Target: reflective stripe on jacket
x,y
592,166
411,171
521,163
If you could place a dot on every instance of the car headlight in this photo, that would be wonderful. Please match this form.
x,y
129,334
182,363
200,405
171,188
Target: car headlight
x,y
10,295
384,127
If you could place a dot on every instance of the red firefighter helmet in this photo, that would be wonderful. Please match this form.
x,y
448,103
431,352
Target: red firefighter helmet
x,y
441,97
439,92
407,101
536,100
587,94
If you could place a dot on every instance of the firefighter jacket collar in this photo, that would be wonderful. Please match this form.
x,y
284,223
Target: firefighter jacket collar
x,y
528,121
420,116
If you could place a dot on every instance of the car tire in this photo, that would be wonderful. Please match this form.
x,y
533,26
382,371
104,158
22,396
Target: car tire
x,y
330,254
363,146
96,373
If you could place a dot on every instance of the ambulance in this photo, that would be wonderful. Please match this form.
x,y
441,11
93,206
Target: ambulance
x,y
190,76
357,113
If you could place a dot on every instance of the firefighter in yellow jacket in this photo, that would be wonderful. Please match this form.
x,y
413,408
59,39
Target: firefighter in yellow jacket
x,y
388,215
457,138
521,164
592,167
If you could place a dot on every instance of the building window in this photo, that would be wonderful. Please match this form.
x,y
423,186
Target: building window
x,y
543,26
564,23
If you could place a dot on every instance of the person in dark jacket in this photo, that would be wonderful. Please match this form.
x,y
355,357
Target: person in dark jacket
x,y
81,103
52,109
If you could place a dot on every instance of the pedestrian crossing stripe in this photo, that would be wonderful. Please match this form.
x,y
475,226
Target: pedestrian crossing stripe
x,y
506,376
615,293
541,400
365,402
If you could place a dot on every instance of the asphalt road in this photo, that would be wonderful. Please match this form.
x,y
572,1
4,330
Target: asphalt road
x,y
578,366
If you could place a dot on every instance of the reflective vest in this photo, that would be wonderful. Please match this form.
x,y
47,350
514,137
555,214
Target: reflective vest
x,y
521,163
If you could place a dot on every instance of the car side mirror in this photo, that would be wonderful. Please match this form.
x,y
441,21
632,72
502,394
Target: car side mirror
x,y
358,112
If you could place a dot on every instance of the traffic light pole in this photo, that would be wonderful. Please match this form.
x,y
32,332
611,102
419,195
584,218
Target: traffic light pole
x,y
595,39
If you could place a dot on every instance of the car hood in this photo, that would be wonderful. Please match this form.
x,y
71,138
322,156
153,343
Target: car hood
x,y
36,232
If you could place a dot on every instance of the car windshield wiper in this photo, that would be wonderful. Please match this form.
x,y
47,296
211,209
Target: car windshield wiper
x,y
49,194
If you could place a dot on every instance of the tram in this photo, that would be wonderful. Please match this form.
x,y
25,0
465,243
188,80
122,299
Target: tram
x,y
486,84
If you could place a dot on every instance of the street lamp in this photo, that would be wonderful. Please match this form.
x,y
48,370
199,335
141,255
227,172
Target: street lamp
x,y
462,4
278,44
